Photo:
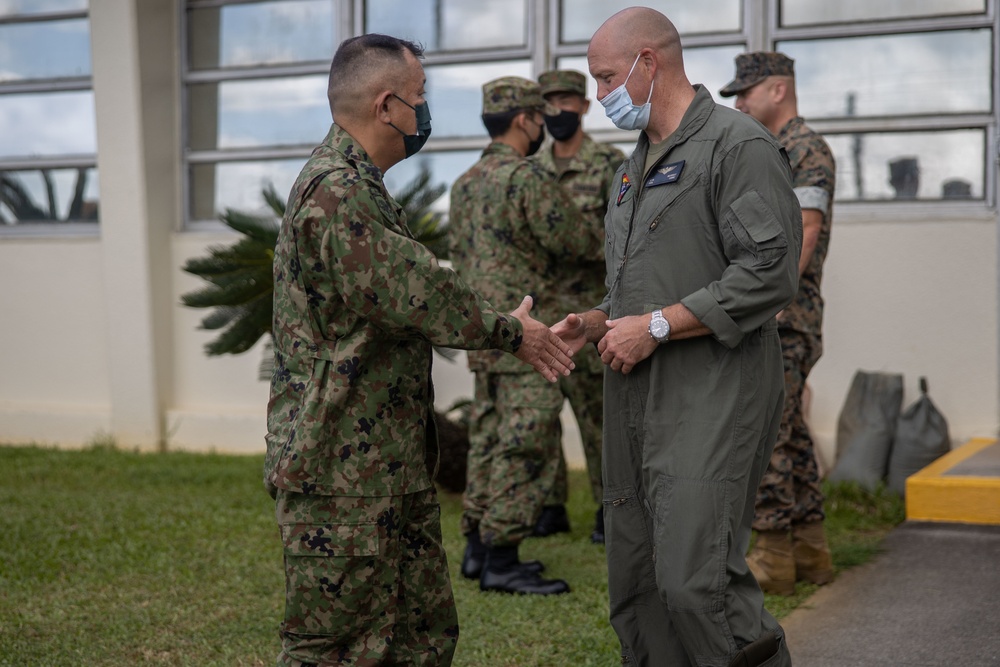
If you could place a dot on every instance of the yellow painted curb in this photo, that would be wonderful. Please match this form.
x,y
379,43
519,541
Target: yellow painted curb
x,y
932,495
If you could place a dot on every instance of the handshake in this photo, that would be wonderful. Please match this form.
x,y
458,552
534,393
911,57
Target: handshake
x,y
622,343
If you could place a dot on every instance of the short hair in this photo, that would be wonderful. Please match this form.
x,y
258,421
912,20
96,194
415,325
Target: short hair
x,y
363,65
497,124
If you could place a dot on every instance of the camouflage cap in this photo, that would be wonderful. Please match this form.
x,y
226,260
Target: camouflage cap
x,y
752,68
563,81
512,92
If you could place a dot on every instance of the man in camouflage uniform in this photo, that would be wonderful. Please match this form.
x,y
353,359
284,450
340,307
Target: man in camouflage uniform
x,y
512,228
358,304
586,169
789,514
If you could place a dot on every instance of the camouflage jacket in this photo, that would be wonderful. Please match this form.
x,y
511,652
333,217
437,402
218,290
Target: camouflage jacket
x,y
357,305
512,228
813,177
588,177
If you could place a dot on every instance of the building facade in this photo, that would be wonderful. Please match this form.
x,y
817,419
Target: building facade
x,y
127,126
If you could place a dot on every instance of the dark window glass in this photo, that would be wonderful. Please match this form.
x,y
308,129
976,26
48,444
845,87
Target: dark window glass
x,y
48,195
947,164
261,33
580,19
893,75
44,50
450,25
47,124
258,112
813,12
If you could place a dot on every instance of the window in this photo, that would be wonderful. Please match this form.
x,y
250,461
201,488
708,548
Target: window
x,y
48,145
904,90
904,95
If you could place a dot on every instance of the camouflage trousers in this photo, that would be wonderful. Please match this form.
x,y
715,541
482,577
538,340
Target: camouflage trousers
x,y
514,439
790,492
366,581
585,392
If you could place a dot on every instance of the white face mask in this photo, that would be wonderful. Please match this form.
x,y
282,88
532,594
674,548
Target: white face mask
x,y
619,108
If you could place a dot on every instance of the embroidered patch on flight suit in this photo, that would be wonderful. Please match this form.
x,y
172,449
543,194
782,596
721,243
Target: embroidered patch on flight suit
x,y
668,173
626,184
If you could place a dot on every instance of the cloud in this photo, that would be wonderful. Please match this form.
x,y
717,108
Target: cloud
x,y
48,124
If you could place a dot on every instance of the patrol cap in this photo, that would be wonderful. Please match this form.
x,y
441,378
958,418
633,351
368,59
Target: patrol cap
x,y
752,68
563,81
512,92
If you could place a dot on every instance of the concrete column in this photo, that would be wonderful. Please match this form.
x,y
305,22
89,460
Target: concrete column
x,y
135,222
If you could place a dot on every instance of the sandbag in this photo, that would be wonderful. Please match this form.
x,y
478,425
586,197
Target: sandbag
x,y
921,438
866,428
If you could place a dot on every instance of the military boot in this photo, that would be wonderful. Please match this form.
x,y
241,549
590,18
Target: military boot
x,y
811,554
475,556
504,572
772,563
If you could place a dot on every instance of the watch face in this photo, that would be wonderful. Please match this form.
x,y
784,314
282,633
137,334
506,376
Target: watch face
x,y
659,328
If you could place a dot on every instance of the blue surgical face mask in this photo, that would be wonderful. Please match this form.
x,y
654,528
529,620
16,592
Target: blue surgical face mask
x,y
412,143
619,108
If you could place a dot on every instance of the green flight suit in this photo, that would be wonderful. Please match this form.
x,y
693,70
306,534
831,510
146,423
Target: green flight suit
x,y
358,304
713,225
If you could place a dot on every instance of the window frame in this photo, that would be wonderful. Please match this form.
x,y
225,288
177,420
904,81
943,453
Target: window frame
x,y
54,161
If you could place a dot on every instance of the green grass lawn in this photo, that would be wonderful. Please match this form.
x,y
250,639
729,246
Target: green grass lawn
x,y
116,558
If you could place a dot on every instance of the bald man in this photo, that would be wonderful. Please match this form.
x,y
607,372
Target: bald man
x,y
703,240
358,303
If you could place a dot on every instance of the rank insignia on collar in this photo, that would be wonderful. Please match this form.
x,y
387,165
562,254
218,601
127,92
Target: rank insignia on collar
x,y
668,173
626,184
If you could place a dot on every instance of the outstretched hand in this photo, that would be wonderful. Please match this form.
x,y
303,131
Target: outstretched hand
x,y
541,348
572,330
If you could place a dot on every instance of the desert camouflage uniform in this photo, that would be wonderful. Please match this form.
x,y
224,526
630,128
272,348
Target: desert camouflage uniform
x,y
588,178
511,230
790,493
357,306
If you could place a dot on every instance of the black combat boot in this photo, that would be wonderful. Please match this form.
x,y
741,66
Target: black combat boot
x,y
475,556
505,573
597,537
552,520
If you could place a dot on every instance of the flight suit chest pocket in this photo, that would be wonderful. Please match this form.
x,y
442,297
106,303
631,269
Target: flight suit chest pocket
x,y
666,199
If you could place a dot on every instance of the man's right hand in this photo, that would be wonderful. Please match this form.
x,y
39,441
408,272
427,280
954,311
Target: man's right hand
x,y
540,348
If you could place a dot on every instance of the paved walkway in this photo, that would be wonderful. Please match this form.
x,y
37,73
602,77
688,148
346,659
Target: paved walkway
x,y
931,599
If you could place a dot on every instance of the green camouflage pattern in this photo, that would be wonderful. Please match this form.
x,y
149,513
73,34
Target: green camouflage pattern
x,y
366,581
512,232
563,81
588,177
358,304
509,93
515,439
752,68
813,166
790,493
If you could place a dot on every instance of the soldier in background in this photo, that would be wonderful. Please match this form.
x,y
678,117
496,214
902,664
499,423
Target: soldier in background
x,y
358,304
512,228
586,169
788,518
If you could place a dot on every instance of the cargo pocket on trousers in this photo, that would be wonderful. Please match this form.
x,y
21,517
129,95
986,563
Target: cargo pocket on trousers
x,y
331,577
689,562
628,544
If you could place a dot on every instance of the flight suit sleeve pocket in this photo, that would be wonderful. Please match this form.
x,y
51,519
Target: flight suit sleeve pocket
x,y
753,232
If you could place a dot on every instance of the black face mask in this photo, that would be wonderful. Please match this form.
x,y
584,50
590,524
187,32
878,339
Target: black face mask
x,y
563,126
412,143
535,144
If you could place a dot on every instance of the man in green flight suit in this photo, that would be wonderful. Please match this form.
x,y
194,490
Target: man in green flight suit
x,y
586,169
511,228
358,304
704,235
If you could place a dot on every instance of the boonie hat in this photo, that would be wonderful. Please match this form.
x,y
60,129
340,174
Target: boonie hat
x,y
512,92
752,68
563,81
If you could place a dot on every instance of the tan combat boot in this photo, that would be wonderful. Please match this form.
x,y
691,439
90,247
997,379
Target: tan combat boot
x,y
772,563
811,553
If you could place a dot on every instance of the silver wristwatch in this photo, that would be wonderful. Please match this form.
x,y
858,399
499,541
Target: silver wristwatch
x,y
659,328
